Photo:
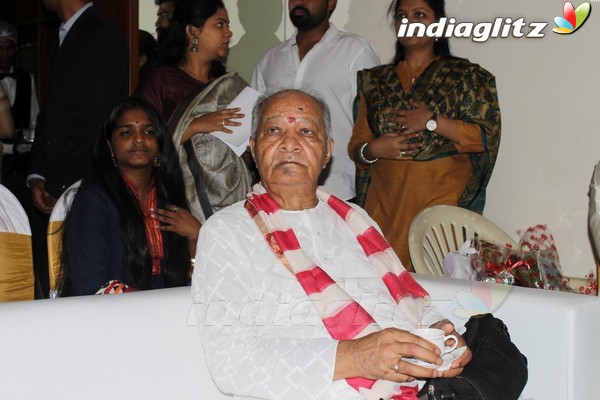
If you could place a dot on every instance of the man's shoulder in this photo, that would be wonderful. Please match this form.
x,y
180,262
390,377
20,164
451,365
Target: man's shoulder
x,y
276,50
351,48
92,22
231,216
352,38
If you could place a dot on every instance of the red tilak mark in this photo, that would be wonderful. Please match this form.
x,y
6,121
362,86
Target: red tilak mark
x,y
291,120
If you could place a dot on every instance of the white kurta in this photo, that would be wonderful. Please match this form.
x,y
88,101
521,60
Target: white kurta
x,y
261,335
330,69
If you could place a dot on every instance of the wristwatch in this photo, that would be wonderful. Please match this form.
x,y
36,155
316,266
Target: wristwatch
x,y
431,123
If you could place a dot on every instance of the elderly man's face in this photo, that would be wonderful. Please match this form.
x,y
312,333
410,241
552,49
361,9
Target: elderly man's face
x,y
291,146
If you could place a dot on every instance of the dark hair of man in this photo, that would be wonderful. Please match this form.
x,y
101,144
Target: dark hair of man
x,y
137,271
188,12
441,47
159,2
147,47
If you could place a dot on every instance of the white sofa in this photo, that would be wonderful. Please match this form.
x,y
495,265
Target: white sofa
x,y
145,345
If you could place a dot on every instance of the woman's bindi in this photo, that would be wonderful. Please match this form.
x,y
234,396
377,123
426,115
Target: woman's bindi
x,y
291,120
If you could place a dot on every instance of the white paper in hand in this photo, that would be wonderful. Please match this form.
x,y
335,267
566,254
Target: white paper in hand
x,y
238,140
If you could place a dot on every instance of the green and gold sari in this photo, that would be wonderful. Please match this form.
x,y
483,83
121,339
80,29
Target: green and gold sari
x,y
451,87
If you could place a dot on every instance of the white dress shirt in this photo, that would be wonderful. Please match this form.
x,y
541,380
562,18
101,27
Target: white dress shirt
x,y
10,86
330,69
262,337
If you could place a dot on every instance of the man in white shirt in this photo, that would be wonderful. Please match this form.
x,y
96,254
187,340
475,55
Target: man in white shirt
x,y
20,89
262,327
326,60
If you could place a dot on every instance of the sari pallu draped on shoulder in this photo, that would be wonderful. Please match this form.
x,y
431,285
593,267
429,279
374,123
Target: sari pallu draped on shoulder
x,y
451,87
214,176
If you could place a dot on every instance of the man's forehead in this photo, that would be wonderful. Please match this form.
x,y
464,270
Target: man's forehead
x,y
166,7
289,117
6,43
295,102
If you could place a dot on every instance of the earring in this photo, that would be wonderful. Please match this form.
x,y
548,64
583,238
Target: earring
x,y
112,155
194,47
436,39
156,162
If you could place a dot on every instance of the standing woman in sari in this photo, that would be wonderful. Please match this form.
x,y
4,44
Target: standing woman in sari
x,y
427,130
192,90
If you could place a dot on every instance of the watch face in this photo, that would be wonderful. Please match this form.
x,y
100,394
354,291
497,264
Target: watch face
x,y
431,125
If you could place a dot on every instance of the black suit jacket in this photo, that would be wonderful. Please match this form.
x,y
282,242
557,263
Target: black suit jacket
x,y
88,72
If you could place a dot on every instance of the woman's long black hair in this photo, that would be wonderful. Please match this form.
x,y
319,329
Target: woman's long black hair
x,y
441,47
137,263
188,12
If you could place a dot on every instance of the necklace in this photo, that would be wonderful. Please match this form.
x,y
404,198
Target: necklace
x,y
412,80
410,75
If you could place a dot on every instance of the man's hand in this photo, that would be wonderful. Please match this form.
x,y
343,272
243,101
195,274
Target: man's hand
x,y
376,355
457,366
41,199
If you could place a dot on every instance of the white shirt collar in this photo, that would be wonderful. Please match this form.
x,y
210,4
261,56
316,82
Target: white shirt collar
x,y
66,26
332,31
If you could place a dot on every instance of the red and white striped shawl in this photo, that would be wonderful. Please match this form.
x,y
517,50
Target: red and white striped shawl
x,y
343,317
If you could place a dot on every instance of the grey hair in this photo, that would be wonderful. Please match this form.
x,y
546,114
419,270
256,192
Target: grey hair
x,y
266,99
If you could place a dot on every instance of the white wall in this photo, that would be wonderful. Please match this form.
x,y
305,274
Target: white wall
x,y
147,16
549,92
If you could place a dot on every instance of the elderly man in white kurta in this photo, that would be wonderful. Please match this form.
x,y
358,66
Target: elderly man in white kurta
x,y
296,293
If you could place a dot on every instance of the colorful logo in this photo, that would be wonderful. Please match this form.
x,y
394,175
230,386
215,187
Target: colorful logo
x,y
481,300
573,18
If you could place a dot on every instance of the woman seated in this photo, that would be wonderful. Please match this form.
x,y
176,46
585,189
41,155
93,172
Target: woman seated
x,y
192,90
128,227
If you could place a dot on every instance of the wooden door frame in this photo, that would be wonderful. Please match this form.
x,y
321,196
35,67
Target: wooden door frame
x,y
125,15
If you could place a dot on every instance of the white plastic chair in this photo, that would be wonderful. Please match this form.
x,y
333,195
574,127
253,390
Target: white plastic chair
x,y
439,230
16,260
54,235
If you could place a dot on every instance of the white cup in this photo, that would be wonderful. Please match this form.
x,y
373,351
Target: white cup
x,y
437,337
